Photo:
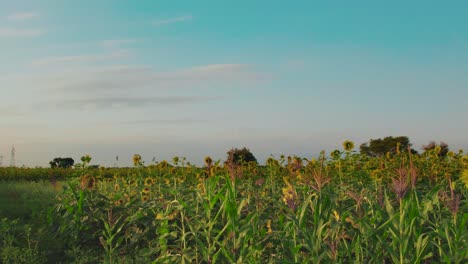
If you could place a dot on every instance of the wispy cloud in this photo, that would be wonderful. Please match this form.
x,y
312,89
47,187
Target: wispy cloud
x,y
123,102
173,20
116,42
175,121
80,58
126,87
127,79
10,32
22,16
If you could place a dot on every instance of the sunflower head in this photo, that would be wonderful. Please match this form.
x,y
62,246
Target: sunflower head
x,y
87,182
159,216
208,161
136,159
397,149
465,160
163,164
312,162
348,145
270,161
86,159
148,181
269,226
289,196
464,178
335,154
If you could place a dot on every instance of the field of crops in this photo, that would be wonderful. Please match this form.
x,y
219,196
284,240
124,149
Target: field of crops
x,y
337,208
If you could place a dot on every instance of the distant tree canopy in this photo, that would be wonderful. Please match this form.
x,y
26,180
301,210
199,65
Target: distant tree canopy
x,y
237,156
379,147
62,163
442,148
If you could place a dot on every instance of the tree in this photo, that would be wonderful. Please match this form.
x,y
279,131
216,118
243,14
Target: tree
x,y
239,156
442,148
62,163
380,147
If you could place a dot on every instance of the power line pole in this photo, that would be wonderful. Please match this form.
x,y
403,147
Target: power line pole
x,y
1,160
12,157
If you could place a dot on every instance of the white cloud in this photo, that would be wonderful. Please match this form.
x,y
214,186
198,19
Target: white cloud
x,y
22,16
125,79
125,86
159,23
80,58
123,102
174,121
9,32
116,42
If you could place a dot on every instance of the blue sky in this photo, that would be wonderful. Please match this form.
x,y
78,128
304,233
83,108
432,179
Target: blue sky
x,y
195,78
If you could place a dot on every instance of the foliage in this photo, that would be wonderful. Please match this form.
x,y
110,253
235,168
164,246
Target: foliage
x,y
62,163
442,148
380,147
239,156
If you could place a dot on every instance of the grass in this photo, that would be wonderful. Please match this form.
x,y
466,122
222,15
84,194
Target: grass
x,y
27,200
24,211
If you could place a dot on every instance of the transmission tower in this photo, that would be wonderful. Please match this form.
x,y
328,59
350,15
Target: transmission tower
x,y
1,160
12,157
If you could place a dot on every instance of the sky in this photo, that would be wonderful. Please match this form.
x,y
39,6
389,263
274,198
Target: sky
x,y
165,78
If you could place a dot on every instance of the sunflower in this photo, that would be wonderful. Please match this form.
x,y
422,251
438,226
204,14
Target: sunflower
x,y
465,160
148,181
397,149
159,216
146,190
144,198
289,196
208,161
136,159
87,182
312,162
336,215
116,187
269,226
464,177
86,159
172,215
348,145
271,161
335,154
163,164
